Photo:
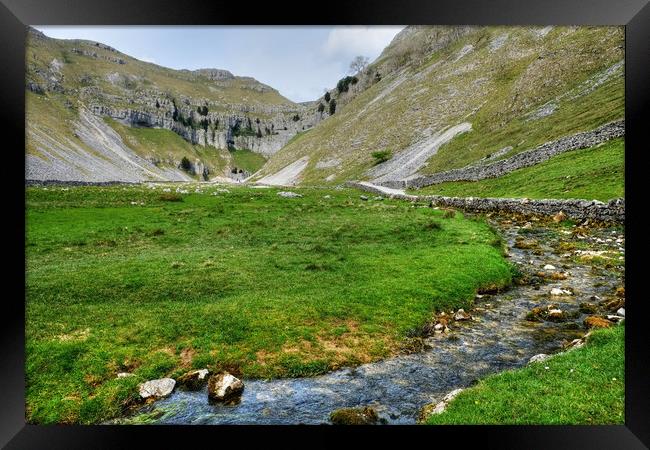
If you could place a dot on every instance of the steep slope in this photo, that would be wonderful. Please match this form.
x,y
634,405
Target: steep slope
x,y
440,98
96,114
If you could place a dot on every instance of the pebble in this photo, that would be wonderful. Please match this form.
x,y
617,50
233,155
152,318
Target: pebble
x,y
558,291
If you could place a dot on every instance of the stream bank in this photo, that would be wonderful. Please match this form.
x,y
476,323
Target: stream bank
x,y
588,268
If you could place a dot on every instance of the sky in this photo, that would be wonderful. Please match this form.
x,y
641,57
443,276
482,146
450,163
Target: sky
x,y
301,62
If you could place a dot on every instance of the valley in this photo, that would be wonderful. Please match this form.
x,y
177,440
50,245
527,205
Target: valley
x,y
438,238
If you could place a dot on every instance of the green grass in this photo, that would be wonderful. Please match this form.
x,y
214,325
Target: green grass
x,y
583,386
594,173
247,160
244,281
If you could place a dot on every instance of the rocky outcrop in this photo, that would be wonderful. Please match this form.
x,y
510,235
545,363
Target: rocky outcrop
x,y
524,159
215,129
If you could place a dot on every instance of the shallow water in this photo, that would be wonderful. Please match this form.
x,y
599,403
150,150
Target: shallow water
x,y
498,339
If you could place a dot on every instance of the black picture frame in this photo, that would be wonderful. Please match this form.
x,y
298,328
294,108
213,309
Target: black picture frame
x,y
16,14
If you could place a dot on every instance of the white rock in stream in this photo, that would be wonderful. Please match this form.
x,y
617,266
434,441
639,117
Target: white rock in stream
x,y
462,315
558,291
549,267
223,387
157,388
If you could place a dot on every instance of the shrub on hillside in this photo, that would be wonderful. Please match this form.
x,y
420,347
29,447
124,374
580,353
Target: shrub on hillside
x,y
332,107
344,83
381,156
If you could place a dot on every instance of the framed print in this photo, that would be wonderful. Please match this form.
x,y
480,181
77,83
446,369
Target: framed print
x,y
371,219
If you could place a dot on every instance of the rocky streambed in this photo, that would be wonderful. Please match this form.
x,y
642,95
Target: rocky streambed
x,y
571,274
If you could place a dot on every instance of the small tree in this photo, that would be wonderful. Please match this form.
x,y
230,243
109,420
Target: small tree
x,y
358,64
344,84
321,107
332,107
327,96
296,118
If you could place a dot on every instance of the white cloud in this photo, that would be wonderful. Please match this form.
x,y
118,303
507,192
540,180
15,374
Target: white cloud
x,y
347,42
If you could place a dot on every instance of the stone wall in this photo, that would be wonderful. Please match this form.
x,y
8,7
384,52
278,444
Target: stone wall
x,y
78,183
524,159
613,211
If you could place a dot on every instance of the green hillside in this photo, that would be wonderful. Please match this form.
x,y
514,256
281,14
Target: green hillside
x,y
516,86
570,175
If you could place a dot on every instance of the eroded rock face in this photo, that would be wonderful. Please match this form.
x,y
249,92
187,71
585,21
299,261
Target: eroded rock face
x,y
224,387
355,416
157,388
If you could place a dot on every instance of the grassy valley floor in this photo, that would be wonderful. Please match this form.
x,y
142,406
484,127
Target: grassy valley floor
x,y
153,282
582,386
595,173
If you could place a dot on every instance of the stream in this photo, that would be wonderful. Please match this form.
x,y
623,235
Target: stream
x,y
498,338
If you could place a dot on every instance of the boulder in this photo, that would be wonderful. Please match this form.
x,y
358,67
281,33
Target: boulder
x,y
224,387
588,308
363,197
555,314
286,194
621,312
597,322
549,267
125,375
193,380
157,388
355,416
615,304
462,315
